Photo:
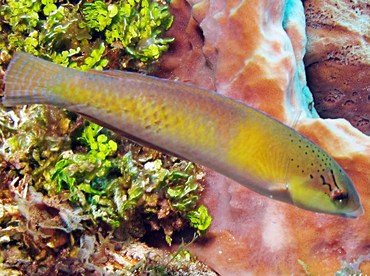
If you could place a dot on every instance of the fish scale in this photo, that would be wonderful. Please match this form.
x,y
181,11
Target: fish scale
x,y
225,135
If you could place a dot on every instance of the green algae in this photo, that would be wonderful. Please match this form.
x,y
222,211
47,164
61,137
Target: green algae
x,y
65,176
59,152
200,219
80,35
67,181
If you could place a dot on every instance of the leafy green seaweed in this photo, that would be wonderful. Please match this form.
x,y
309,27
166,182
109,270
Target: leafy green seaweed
x,y
80,35
93,168
200,219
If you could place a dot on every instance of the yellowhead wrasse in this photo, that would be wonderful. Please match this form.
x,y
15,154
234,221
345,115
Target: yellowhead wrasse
x,y
222,134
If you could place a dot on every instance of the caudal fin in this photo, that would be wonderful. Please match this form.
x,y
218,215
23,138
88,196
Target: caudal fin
x,y
29,80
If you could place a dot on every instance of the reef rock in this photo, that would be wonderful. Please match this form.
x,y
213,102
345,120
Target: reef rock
x,y
252,50
338,59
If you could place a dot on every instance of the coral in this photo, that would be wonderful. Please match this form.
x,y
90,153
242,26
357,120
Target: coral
x,y
253,51
338,59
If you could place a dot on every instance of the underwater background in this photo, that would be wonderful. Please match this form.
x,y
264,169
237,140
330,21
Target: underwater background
x,y
77,198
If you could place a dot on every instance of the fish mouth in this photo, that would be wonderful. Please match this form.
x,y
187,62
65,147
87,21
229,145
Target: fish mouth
x,y
354,214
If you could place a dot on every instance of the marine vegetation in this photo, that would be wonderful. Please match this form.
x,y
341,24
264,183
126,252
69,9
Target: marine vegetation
x,y
85,34
68,184
75,196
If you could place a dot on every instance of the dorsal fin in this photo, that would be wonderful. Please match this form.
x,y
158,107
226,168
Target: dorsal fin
x,y
293,122
112,73
123,74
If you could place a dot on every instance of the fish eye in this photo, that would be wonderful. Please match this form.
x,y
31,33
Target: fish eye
x,y
339,195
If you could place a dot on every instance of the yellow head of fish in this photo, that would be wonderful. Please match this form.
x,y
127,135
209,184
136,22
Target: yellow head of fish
x,y
327,190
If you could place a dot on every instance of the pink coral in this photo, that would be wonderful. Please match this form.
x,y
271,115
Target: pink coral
x,y
252,50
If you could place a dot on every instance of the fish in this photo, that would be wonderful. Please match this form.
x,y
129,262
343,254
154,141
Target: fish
x,y
205,127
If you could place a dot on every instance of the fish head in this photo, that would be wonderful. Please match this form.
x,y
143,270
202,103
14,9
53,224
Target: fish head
x,y
329,191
